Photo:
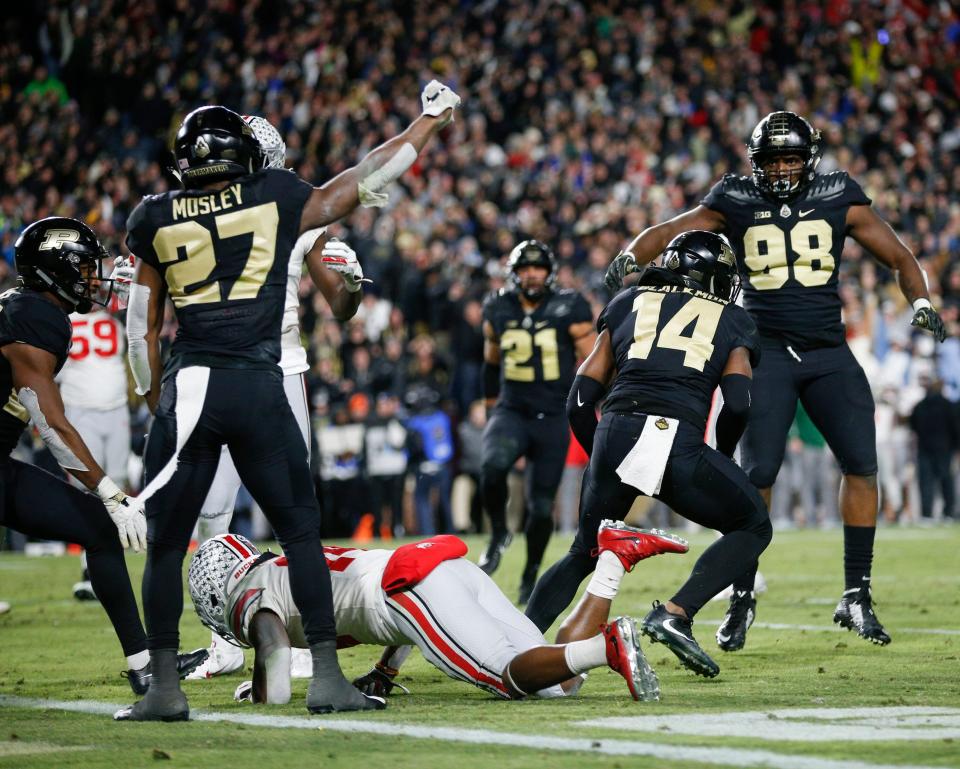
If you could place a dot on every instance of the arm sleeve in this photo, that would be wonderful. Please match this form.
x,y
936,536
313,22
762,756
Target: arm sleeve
x,y
582,409
733,417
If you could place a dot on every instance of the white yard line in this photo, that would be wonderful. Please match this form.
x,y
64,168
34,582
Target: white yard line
x,y
893,628
665,751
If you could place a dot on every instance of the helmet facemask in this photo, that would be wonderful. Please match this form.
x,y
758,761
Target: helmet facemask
x,y
532,253
780,134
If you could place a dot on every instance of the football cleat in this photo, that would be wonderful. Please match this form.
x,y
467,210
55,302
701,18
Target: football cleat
x,y
223,658
490,561
301,663
83,591
631,545
625,656
732,633
139,679
855,612
676,633
759,586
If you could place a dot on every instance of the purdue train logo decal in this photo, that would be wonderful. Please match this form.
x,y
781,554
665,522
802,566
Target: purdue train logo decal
x,y
200,148
662,424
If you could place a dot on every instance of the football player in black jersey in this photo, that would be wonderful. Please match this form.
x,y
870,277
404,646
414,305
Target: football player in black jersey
x,y
666,344
59,263
533,335
787,225
219,249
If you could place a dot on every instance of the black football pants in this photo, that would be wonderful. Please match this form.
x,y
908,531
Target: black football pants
x,y
699,483
248,410
38,504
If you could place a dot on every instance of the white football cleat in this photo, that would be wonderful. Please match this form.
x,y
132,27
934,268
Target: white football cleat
x,y
301,663
224,658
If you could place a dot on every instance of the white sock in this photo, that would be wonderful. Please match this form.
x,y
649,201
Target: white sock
x,y
138,660
586,655
606,577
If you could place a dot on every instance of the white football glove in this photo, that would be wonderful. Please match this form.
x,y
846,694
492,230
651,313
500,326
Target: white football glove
x,y
437,99
122,277
339,257
244,692
126,512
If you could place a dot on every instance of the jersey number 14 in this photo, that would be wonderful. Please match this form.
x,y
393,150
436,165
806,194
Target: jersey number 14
x,y
697,348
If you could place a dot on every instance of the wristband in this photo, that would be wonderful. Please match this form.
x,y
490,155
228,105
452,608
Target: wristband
x,y
921,304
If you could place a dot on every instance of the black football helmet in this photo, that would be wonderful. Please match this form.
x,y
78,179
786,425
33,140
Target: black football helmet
x,y
783,133
63,256
705,261
532,253
215,143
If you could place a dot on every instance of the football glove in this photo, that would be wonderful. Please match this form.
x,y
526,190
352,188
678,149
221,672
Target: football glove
x,y
378,683
339,257
622,265
437,98
126,512
929,319
243,692
122,277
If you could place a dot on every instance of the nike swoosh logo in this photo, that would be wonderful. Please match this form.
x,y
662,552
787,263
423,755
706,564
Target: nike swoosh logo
x,y
579,402
668,624
722,638
804,213
434,97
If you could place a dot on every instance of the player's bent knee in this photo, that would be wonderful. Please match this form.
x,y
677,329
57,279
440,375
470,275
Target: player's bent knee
x,y
763,476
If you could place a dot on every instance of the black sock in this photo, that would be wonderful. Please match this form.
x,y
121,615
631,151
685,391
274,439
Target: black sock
x,y
557,588
538,534
857,555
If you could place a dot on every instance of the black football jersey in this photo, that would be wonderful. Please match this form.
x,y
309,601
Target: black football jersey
x,y
788,253
671,344
537,355
223,255
26,317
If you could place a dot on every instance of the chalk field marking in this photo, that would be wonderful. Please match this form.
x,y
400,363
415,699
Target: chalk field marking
x,y
895,724
668,752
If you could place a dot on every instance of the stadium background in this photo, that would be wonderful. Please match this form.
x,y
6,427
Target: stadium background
x,y
581,125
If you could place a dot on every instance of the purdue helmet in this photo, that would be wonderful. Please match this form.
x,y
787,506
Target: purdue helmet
x,y
532,253
215,143
63,256
783,133
215,562
705,261
271,142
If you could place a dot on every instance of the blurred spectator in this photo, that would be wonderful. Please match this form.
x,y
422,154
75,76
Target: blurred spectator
x,y
343,493
431,455
385,441
467,502
934,421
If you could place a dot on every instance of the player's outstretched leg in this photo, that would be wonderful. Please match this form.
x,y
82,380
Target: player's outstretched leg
x,y
675,631
330,691
632,545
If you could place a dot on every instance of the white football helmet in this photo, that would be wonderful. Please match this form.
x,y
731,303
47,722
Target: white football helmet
x,y
274,148
213,564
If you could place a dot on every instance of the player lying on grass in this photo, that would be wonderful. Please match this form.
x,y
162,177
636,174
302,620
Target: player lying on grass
x,y
427,595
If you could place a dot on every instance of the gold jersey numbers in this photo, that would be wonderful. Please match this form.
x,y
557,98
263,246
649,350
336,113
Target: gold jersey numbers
x,y
517,350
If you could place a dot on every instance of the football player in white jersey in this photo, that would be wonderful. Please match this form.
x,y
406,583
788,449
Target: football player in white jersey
x,y
93,385
334,268
427,595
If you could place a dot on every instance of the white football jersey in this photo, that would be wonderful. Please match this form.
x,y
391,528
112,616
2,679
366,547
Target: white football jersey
x,y
95,374
293,358
359,604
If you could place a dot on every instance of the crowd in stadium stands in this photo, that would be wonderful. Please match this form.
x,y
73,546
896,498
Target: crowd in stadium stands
x,y
582,124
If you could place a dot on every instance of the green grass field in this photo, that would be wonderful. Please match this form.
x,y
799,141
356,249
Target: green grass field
x,y
57,651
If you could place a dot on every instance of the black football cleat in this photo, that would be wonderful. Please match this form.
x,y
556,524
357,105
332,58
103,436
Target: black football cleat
x,y
490,561
732,633
676,633
139,680
855,612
